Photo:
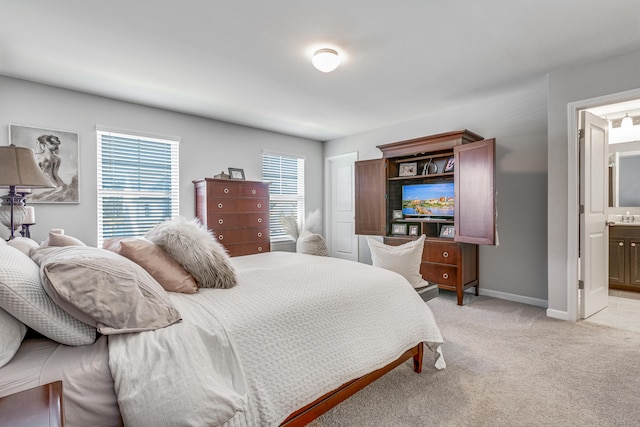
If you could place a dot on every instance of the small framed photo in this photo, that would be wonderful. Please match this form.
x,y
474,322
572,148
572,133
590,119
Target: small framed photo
x,y
447,231
449,165
408,169
397,214
398,228
413,230
235,173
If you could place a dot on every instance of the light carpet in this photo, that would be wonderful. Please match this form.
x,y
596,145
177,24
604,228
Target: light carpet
x,y
508,364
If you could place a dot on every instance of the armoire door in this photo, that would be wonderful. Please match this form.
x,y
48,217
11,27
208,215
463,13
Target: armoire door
x,y
370,200
475,199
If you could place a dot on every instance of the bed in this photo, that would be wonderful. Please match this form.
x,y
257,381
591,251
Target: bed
x,y
297,335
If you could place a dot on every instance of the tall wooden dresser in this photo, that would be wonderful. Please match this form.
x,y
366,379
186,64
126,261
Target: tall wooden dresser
x,y
237,212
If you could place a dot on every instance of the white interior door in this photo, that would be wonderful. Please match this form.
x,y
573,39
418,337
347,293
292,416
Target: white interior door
x,y
342,240
594,232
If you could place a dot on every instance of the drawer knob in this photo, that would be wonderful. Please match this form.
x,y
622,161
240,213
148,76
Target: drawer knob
x,y
259,219
620,244
259,248
445,276
259,234
220,221
445,254
259,205
220,237
253,191
633,245
220,205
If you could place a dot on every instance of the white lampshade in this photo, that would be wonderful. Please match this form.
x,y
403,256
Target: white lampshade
x,y
326,60
627,122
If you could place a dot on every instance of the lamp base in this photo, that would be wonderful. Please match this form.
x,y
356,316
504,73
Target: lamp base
x,y
25,230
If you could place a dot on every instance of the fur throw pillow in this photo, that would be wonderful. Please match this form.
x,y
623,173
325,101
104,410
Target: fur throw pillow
x,y
196,250
312,244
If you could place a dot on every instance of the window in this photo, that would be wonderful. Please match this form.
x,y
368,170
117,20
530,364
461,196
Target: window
x,y
285,173
137,184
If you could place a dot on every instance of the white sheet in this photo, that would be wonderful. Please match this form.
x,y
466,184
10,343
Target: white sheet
x,y
296,327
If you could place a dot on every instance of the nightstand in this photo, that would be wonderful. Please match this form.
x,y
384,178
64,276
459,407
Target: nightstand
x,y
36,407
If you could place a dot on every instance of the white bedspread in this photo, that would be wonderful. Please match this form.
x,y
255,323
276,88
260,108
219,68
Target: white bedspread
x,y
295,327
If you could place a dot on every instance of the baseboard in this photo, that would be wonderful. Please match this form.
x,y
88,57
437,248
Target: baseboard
x,y
512,297
557,314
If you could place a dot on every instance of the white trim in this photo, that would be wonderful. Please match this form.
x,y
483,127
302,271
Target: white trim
x,y
512,297
557,314
284,154
128,132
573,109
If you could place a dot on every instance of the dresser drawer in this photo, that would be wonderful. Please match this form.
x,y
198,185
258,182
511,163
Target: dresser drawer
x,y
440,274
240,205
221,221
237,235
443,253
247,248
218,189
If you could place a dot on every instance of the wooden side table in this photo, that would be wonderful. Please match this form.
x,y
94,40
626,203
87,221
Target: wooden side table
x,y
37,407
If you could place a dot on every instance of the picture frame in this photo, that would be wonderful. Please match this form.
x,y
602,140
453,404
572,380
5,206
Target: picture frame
x,y
397,214
449,165
399,228
235,173
447,231
413,230
408,169
57,153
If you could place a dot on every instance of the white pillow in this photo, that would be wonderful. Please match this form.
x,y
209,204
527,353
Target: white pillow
x,y
22,295
196,250
12,332
312,244
24,244
404,259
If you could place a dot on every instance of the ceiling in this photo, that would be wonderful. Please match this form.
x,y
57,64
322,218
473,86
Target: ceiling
x,y
248,62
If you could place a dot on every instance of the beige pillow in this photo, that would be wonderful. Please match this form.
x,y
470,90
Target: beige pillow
x,y
404,259
104,289
196,250
157,262
23,244
312,244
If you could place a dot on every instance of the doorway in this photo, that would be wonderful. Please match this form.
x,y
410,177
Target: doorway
x,y
623,305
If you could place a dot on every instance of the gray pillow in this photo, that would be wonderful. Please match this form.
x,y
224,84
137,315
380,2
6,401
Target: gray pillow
x,y
12,332
312,244
104,289
196,250
22,295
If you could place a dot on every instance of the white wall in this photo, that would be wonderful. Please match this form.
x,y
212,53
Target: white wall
x,y
517,117
573,84
207,147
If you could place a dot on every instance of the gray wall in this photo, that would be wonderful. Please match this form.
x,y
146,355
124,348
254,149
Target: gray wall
x,y
207,147
516,116
572,84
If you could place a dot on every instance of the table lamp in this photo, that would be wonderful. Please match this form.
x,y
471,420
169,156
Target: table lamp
x,y
18,168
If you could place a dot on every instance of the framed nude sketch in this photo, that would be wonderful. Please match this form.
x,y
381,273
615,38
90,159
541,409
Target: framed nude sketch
x,y
57,154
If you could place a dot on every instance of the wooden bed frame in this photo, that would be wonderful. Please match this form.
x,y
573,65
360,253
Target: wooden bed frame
x,y
313,410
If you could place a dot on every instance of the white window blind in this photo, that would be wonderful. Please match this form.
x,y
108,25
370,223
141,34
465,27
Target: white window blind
x,y
137,184
285,173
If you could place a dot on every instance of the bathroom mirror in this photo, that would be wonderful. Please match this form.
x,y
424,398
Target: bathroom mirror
x,y
624,175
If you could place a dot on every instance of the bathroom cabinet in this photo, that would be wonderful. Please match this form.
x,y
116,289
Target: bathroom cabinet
x,y
624,257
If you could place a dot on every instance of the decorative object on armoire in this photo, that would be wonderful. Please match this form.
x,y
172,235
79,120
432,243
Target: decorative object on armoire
x,y
18,168
57,155
222,175
235,173
237,212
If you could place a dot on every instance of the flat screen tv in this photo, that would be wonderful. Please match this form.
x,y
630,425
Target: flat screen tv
x,y
428,200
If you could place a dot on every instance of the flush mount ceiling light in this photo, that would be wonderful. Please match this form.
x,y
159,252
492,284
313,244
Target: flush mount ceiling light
x,y
326,60
627,122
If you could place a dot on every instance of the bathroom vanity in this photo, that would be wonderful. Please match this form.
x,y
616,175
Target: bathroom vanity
x,y
624,256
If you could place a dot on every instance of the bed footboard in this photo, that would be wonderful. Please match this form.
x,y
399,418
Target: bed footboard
x,y
312,411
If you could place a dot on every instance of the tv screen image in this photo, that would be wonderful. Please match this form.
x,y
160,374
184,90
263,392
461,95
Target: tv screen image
x,y
433,199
